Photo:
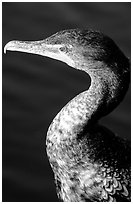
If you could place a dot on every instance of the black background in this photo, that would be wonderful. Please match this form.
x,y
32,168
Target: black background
x,y
36,88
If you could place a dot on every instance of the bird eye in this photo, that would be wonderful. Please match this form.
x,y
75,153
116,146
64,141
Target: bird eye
x,y
63,49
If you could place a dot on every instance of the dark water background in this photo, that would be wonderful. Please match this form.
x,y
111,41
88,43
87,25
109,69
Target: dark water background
x,y
36,88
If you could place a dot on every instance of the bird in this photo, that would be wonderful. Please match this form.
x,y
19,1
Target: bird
x,y
89,161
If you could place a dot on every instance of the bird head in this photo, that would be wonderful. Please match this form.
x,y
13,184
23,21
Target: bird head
x,y
77,48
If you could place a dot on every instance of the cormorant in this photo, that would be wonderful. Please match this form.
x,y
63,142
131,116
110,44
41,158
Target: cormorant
x,y
90,163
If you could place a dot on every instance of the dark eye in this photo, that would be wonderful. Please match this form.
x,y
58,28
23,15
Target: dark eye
x,y
63,49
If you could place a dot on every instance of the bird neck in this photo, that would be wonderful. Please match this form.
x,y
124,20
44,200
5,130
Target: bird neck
x,y
86,108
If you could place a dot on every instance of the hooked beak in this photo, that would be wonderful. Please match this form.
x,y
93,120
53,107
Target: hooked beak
x,y
34,47
39,48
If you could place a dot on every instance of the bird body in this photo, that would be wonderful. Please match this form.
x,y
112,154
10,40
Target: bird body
x,y
91,167
89,162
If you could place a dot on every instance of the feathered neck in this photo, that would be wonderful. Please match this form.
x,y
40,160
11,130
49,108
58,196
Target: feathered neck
x,y
85,108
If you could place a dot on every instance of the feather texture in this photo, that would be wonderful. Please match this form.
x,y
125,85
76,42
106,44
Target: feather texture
x,y
89,162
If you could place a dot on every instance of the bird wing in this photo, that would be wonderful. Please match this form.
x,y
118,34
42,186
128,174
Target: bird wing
x,y
107,176
116,188
107,188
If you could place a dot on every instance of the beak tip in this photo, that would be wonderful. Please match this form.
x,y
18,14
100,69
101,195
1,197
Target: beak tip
x,y
7,47
11,45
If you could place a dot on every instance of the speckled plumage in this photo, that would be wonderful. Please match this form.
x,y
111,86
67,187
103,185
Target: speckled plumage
x,y
95,166
89,162
86,158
